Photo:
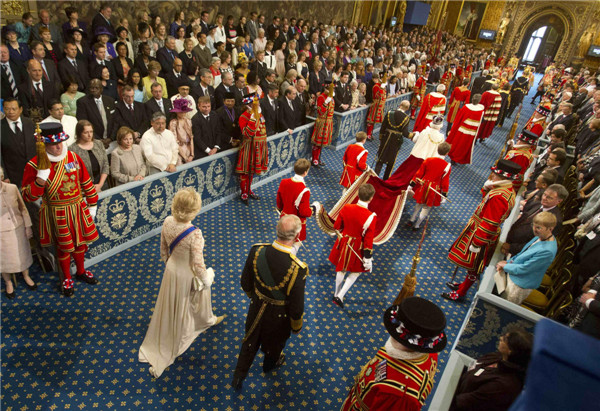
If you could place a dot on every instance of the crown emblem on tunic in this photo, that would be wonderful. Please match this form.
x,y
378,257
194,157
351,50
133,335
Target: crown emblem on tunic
x,y
219,168
117,207
156,191
189,179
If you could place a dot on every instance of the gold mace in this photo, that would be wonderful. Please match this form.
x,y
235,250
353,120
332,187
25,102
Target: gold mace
x,y
410,280
43,162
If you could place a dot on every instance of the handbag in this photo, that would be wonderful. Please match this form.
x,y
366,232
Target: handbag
x,y
500,279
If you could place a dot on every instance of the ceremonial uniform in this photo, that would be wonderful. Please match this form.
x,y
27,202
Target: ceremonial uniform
x,y
375,114
505,96
253,157
463,132
274,280
537,122
65,217
447,78
522,155
401,375
491,101
355,163
433,104
433,173
387,383
321,135
293,197
418,95
357,226
460,96
469,71
393,129
475,246
518,90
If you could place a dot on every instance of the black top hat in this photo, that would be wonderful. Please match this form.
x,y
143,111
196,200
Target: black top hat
x,y
327,81
528,137
417,324
508,169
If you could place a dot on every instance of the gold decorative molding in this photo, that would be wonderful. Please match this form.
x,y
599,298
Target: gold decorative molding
x,y
11,8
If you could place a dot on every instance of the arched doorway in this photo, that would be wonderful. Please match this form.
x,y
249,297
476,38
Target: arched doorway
x,y
541,41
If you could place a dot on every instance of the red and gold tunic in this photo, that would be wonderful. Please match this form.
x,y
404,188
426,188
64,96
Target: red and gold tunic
x,y
418,90
460,95
254,150
64,216
446,79
433,173
536,125
522,155
469,71
376,110
355,163
357,226
321,135
388,383
293,197
434,104
483,228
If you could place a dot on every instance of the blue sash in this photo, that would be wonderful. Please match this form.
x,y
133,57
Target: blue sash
x,y
180,237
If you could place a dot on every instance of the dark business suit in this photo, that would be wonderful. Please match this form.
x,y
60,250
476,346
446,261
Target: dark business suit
x,y
19,75
288,118
88,110
198,91
174,81
137,121
239,94
66,69
590,324
166,57
271,115
96,69
568,121
260,68
152,107
478,83
521,232
99,21
17,149
303,100
141,66
342,96
220,94
52,73
32,100
229,126
187,62
315,82
206,134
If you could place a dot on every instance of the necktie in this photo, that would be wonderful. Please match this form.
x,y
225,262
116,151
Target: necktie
x,y
131,108
103,116
102,63
160,105
17,128
74,64
45,74
11,79
38,89
273,105
291,105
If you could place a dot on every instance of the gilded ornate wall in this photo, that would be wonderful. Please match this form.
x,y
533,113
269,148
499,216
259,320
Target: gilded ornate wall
x,y
320,10
491,20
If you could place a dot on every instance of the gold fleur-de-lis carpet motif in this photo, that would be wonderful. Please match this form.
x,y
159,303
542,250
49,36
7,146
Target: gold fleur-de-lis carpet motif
x,y
82,352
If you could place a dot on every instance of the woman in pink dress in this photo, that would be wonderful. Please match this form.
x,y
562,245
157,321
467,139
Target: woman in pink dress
x,y
181,127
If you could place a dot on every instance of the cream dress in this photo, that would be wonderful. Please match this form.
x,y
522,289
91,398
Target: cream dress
x,y
180,314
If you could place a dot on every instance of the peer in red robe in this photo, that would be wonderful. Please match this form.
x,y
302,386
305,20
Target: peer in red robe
x,y
460,96
464,130
491,101
434,104
355,160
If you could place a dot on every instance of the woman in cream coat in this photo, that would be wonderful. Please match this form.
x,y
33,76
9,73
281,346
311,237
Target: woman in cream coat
x,y
15,232
127,161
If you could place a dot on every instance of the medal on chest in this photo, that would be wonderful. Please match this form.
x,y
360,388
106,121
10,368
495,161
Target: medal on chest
x,y
381,371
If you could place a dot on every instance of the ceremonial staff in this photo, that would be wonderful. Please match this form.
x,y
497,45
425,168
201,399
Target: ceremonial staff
x,y
410,280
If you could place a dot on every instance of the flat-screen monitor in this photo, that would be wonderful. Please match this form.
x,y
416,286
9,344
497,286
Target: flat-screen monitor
x,y
393,21
594,51
487,35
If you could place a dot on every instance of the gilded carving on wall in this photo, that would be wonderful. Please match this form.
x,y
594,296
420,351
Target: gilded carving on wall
x,y
11,8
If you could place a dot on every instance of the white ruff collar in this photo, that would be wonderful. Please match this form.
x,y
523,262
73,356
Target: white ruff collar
x,y
400,354
298,179
56,159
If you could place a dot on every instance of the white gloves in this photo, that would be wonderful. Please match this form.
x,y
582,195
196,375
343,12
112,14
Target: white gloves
x,y
43,174
443,201
93,211
327,100
418,97
410,191
383,85
416,136
368,263
474,249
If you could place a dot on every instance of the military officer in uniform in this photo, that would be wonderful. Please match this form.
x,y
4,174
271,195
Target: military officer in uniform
x,y
401,375
273,278
393,129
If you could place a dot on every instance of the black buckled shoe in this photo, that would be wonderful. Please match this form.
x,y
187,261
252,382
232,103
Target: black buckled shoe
x,y
453,296
452,286
87,277
68,288
337,301
10,296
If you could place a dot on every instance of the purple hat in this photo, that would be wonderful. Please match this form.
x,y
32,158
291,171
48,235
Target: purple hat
x,y
53,133
181,105
102,30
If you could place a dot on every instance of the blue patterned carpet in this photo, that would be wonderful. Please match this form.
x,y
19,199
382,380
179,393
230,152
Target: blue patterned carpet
x,y
81,352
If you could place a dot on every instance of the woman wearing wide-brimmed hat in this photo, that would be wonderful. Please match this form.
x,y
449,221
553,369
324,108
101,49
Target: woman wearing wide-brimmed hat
x,y
400,376
181,127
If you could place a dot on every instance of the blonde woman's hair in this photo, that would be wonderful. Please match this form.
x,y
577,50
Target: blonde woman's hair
x,y
545,219
186,205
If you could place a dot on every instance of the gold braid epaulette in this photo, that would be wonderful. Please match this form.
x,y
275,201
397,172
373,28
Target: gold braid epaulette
x,y
293,267
401,125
